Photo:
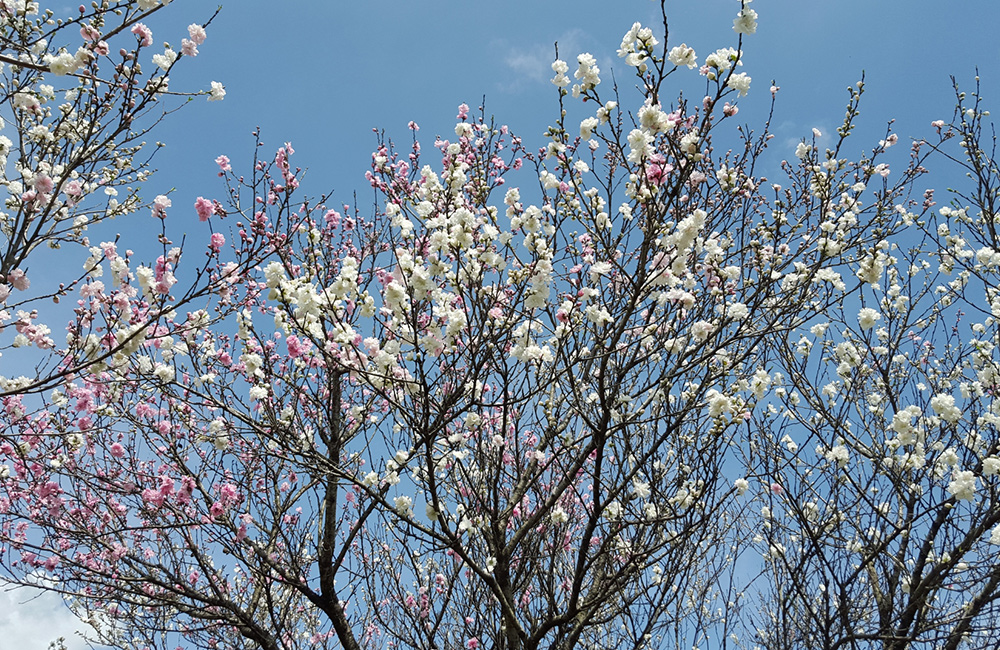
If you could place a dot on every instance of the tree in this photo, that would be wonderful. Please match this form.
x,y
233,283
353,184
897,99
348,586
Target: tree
x,y
460,420
886,454
78,119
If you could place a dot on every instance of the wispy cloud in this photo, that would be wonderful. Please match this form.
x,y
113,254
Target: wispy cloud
x,y
791,132
532,64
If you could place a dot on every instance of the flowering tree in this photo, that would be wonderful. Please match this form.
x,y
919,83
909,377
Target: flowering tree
x,y
883,440
76,112
598,418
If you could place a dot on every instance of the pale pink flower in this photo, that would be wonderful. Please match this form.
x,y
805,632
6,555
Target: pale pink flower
x,y
43,183
197,34
18,278
204,208
160,205
74,189
89,33
218,241
144,33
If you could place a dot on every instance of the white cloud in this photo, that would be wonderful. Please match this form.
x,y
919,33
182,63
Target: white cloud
x,y
30,619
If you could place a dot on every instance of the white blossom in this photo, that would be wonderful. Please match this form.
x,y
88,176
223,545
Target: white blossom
x,y
867,318
683,55
944,405
963,485
745,22
739,82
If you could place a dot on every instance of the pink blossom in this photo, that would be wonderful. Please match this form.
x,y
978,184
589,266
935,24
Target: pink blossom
x,y
229,494
204,207
89,33
43,183
187,489
223,163
163,275
92,289
4,292
144,33
73,188
18,278
166,485
152,497
777,489
472,643
146,410
117,450
658,169
296,347
28,198
189,48
218,241
463,113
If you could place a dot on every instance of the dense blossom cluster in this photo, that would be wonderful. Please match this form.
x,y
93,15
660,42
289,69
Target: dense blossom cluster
x,y
563,414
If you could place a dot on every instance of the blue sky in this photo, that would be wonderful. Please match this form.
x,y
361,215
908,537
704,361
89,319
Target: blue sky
x,y
323,73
